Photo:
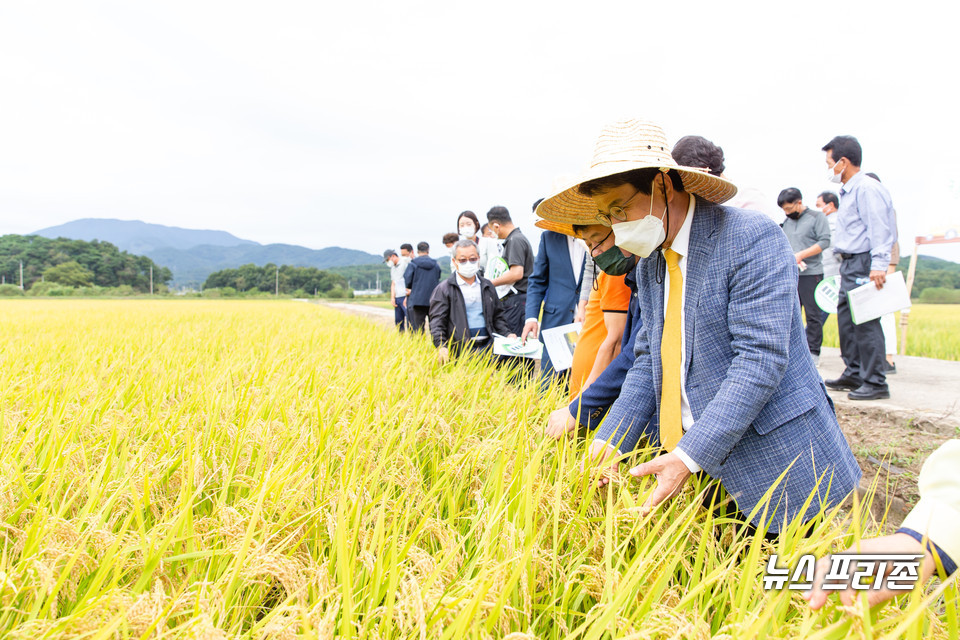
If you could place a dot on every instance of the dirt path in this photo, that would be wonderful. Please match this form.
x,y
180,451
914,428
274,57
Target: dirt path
x,y
890,438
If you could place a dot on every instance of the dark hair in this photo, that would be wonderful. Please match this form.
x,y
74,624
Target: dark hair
x,y
845,147
537,204
407,246
789,195
641,179
874,176
498,215
697,152
484,228
471,216
579,229
450,238
423,247
830,197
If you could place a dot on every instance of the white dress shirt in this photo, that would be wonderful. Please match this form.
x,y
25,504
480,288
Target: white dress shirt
x,y
578,252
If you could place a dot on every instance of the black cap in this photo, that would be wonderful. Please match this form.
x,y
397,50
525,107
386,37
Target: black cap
x,y
388,253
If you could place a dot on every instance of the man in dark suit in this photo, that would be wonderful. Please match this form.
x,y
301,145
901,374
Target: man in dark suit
x,y
723,381
555,284
421,277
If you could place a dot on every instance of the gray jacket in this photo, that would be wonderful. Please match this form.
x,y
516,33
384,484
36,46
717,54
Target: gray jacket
x,y
809,229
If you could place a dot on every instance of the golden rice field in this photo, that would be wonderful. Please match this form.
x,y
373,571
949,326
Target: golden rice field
x,y
259,469
933,331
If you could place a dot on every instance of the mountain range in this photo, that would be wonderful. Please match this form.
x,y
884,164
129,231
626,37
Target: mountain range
x,y
193,254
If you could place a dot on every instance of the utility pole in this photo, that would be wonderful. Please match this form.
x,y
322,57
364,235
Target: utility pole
x,y
278,282
151,279
21,275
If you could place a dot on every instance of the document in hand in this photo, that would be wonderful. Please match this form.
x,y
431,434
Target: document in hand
x,y
868,303
516,347
560,343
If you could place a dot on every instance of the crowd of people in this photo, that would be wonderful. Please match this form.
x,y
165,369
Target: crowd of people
x,y
701,332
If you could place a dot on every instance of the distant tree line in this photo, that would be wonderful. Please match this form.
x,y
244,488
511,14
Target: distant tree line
x,y
306,281
934,274
75,263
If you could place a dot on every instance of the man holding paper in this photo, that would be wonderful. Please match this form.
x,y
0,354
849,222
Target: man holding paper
x,y
866,232
554,285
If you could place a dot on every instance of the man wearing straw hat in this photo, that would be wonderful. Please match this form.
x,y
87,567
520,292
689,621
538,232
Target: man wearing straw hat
x,y
722,380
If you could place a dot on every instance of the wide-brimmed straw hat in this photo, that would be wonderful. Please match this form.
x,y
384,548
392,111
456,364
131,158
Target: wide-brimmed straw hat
x,y
559,227
625,146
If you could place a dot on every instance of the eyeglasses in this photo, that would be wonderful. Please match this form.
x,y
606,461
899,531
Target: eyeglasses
x,y
470,260
616,213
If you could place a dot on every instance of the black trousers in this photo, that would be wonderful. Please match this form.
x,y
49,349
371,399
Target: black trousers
x,y
417,316
514,309
805,287
861,345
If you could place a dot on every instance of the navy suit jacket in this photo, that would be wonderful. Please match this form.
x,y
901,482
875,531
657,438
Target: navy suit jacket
x,y
553,282
759,405
592,404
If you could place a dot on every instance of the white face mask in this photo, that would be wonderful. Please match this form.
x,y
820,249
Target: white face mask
x,y
468,269
641,237
835,178
467,232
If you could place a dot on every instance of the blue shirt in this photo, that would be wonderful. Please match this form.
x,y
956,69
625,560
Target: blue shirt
x,y
866,221
473,301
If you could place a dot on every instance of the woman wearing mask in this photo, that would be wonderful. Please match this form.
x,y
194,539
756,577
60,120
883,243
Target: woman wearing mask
x,y
469,228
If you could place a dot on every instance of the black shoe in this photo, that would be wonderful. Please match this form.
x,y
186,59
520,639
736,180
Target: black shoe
x,y
890,368
843,384
868,392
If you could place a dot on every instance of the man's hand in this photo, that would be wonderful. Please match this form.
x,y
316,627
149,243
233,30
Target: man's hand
x,y
511,335
897,543
443,355
531,328
600,454
671,474
560,423
393,301
879,278
799,256
581,313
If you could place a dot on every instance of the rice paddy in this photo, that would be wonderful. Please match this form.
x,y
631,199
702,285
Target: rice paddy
x,y
259,469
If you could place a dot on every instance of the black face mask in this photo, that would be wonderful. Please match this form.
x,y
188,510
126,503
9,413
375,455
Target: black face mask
x,y
795,215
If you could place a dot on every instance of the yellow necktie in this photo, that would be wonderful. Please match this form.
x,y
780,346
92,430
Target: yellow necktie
x,y
671,427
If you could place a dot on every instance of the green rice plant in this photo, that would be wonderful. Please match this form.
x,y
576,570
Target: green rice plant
x,y
933,331
272,469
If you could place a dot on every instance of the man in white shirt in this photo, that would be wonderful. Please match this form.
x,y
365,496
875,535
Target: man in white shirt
x,y
398,289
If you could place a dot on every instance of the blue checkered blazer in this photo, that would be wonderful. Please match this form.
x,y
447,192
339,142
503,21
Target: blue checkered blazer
x,y
759,405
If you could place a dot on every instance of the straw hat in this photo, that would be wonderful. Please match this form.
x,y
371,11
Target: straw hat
x,y
625,146
559,227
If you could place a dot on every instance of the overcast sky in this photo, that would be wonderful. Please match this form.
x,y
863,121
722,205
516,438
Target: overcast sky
x,y
365,125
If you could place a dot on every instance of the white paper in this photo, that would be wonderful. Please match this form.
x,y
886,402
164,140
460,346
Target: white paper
x,y
869,303
516,348
560,343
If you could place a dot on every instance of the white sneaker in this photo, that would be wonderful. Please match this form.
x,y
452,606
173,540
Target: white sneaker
x,y
816,360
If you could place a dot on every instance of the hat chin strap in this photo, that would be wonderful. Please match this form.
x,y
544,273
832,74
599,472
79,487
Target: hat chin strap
x,y
661,269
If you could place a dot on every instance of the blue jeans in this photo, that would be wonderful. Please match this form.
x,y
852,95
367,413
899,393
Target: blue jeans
x,y
400,314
